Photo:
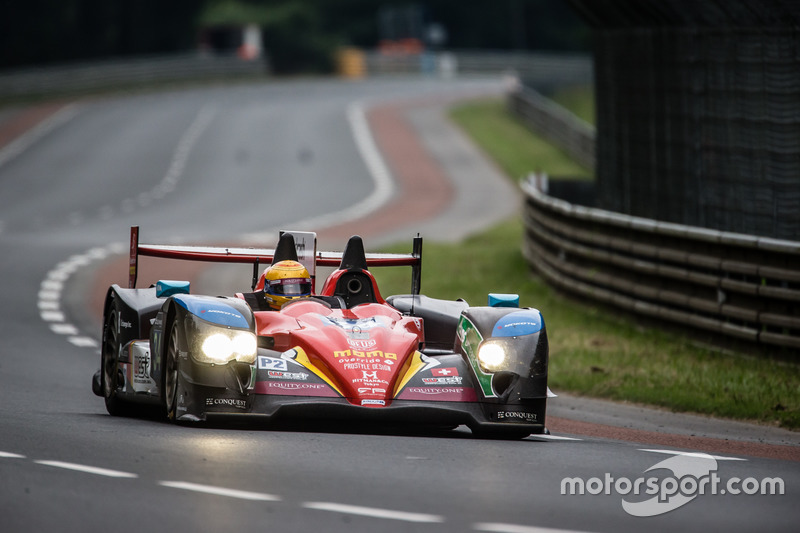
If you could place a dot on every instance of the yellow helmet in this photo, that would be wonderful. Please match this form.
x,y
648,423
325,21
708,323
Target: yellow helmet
x,y
285,281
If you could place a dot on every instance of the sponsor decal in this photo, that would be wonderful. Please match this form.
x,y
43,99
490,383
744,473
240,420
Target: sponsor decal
x,y
364,354
276,374
442,381
370,379
142,368
517,416
271,363
436,390
373,402
227,402
371,390
439,394
362,344
450,371
295,388
367,366
220,312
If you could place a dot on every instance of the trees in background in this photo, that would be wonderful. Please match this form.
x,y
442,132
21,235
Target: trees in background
x,y
298,35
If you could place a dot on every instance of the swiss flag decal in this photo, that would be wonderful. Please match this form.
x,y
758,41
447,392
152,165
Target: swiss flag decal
x,y
452,371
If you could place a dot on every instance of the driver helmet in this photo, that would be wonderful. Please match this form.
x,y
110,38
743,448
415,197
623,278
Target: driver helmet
x,y
285,281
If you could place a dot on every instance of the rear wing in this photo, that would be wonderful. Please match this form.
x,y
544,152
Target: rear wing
x,y
260,256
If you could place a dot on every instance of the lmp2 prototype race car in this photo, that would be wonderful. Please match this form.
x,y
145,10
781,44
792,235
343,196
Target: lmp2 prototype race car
x,y
285,352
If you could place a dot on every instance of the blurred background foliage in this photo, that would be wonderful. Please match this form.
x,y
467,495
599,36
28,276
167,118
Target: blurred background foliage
x,y
298,36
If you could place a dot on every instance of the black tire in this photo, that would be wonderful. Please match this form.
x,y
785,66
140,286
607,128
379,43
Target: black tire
x,y
110,374
172,385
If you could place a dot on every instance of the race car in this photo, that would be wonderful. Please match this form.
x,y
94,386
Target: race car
x,y
343,353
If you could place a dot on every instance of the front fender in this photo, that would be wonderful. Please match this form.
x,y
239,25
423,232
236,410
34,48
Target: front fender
x,y
221,310
522,335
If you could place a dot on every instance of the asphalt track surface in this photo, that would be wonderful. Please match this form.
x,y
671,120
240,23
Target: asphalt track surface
x,y
223,164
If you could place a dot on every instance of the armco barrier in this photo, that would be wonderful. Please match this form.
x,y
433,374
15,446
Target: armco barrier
x,y
555,123
735,285
533,68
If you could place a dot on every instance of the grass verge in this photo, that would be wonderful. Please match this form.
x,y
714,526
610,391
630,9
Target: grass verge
x,y
593,351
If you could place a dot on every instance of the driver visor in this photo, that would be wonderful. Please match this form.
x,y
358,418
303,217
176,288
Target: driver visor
x,y
290,287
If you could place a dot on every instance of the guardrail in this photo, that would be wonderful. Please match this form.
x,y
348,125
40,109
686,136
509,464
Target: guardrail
x,y
58,79
538,68
738,286
556,124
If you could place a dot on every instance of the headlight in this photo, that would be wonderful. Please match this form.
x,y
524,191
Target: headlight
x,y
491,356
223,347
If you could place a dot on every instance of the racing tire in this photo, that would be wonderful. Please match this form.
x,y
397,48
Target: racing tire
x,y
110,373
172,384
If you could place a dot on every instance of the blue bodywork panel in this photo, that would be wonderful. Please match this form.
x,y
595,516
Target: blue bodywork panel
x,y
213,310
167,287
519,323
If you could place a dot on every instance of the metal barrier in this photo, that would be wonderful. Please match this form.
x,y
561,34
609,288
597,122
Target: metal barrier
x,y
736,285
555,123
123,72
551,69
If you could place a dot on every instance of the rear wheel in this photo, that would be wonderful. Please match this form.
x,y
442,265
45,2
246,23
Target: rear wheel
x,y
111,378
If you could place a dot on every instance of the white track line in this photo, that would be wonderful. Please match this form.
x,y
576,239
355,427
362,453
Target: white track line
x,y
553,437
220,491
374,512
51,288
9,455
87,469
378,171
21,143
179,157
513,528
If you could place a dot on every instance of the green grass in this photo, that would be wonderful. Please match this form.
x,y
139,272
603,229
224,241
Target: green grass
x,y
579,99
511,144
593,351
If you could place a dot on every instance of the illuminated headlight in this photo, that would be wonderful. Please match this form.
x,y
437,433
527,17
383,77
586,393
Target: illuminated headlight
x,y
223,347
491,356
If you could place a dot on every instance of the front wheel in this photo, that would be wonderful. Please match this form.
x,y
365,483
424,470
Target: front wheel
x,y
173,386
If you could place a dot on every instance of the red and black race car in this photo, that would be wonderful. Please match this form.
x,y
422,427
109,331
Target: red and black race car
x,y
345,353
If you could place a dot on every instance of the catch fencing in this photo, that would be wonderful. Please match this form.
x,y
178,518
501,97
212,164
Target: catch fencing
x,y
734,286
740,287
